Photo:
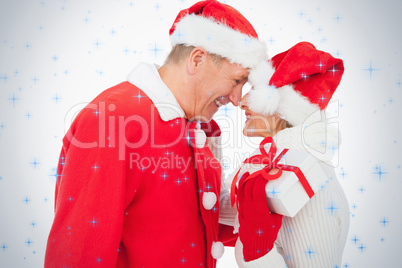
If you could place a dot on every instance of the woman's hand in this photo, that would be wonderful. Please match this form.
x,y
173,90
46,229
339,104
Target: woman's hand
x,y
258,226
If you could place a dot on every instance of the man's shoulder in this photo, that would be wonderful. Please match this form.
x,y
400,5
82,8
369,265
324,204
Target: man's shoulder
x,y
116,103
123,99
122,93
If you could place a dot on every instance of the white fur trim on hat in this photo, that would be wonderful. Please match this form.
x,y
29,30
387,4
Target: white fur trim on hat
x,y
262,73
217,250
209,200
220,39
294,107
262,99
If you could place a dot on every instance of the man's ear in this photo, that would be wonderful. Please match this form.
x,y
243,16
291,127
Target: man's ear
x,y
196,60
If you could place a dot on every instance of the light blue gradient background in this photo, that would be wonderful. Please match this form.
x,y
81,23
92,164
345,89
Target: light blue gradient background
x,y
55,42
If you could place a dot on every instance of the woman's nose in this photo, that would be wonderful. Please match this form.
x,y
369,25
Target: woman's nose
x,y
243,102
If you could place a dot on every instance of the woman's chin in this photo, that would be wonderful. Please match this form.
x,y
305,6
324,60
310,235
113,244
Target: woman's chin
x,y
247,132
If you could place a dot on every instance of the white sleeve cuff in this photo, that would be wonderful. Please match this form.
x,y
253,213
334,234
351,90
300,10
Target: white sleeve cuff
x,y
227,213
272,259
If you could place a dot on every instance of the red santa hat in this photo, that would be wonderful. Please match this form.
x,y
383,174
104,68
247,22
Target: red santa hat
x,y
305,78
222,30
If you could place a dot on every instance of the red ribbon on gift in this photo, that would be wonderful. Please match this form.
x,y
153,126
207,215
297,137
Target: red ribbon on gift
x,y
271,163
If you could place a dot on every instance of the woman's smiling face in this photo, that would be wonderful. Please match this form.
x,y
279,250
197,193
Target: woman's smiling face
x,y
258,125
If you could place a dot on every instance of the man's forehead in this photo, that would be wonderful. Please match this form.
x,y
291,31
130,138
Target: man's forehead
x,y
236,71
243,73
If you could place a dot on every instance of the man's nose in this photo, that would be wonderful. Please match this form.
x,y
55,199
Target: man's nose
x,y
235,97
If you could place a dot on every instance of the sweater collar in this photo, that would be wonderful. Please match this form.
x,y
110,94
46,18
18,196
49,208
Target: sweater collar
x,y
146,77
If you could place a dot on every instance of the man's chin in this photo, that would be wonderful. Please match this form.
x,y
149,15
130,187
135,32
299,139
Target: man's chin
x,y
202,118
207,115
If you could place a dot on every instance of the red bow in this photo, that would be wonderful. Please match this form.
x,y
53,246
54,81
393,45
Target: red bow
x,y
268,160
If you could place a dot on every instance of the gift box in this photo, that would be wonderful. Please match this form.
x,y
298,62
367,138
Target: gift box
x,y
287,192
286,195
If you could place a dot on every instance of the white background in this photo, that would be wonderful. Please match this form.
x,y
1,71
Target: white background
x,y
57,54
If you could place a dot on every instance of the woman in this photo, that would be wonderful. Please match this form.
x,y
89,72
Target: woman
x,y
302,81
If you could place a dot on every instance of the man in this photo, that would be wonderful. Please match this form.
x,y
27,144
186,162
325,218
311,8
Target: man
x,y
129,193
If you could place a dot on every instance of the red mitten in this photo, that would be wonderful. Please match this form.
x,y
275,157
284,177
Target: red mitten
x,y
258,226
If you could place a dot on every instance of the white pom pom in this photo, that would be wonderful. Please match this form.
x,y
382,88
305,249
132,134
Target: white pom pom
x,y
217,250
209,200
200,138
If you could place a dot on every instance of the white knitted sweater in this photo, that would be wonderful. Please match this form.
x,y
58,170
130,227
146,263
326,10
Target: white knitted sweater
x,y
316,236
